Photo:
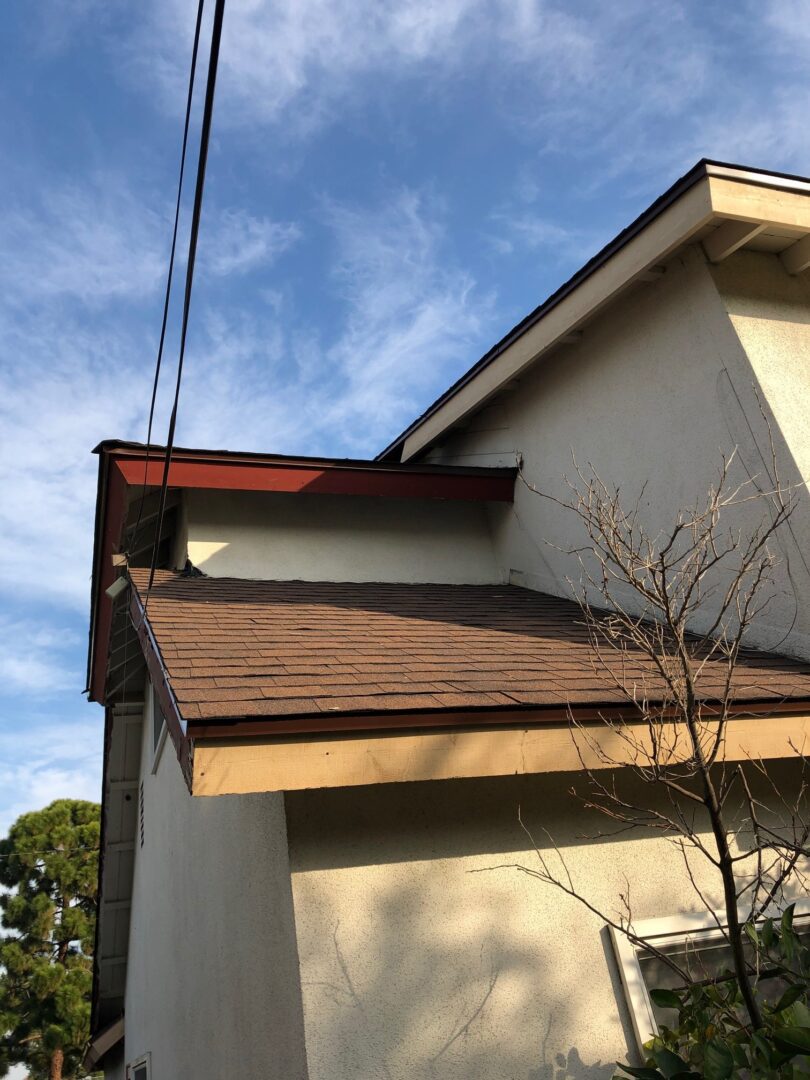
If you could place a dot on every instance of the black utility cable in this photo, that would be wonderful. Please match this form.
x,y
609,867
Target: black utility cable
x,y
200,6
205,134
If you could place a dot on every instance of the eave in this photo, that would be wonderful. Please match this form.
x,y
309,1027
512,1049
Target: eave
x,y
272,763
724,207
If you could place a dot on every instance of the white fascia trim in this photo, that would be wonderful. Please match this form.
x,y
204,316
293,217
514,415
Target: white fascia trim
x,y
721,195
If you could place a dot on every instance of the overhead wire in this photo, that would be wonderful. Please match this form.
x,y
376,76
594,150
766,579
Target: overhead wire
x,y
170,275
205,134
132,545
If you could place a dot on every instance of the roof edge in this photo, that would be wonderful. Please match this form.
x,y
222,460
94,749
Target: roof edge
x,y
389,721
124,448
703,169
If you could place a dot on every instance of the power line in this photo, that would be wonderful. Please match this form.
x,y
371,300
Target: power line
x,y
205,133
47,851
189,98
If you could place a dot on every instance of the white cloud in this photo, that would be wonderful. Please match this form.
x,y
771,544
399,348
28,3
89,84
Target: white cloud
x,y
521,230
236,242
46,761
78,384
641,87
32,660
414,318
408,320
283,53
93,242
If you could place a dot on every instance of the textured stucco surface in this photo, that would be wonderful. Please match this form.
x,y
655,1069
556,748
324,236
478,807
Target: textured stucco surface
x,y
658,388
423,956
212,979
339,538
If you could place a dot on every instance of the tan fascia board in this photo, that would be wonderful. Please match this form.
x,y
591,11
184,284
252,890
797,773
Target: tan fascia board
x,y
712,199
101,1044
262,764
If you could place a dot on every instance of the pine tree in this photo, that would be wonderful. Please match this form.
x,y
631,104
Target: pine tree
x,y
49,864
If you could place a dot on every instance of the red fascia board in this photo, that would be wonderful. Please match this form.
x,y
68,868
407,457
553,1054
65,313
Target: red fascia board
x,y
115,509
304,478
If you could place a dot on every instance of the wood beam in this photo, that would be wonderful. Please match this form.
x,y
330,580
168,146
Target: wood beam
x,y
240,766
729,237
797,257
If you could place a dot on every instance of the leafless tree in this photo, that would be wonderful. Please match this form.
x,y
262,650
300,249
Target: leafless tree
x,y
668,615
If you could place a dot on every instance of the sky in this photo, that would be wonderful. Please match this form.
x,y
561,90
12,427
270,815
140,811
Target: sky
x,y
391,187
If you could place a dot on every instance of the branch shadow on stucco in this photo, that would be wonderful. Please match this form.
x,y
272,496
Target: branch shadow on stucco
x,y
413,967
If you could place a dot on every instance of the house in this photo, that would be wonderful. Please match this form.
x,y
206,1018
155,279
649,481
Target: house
x,y
348,675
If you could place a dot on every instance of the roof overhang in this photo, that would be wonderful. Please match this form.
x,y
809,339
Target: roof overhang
x,y
261,763
124,466
725,207
106,1039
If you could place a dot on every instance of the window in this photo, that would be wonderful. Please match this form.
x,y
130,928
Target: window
x,y
700,945
140,1069
157,724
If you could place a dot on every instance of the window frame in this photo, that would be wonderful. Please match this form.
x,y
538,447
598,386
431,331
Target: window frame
x,y
144,1061
157,745
663,932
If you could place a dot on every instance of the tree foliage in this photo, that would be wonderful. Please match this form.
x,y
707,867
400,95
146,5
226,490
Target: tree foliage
x,y
713,1037
49,865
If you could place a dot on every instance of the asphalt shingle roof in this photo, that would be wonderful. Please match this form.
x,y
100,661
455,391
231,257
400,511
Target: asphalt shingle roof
x,y
235,649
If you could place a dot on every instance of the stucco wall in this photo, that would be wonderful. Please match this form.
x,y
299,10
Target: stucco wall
x,y
212,980
658,387
426,955
339,538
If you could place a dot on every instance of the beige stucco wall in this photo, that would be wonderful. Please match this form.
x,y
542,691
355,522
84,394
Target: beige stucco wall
x,y
212,979
658,387
339,538
426,955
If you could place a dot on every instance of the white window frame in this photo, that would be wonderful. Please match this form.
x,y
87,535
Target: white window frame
x,y
157,747
698,929
145,1060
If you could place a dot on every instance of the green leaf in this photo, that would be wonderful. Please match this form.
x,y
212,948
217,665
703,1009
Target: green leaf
x,y
792,994
762,1046
718,1062
669,1064
640,1073
795,1039
741,1059
767,933
751,931
787,917
801,1013
665,999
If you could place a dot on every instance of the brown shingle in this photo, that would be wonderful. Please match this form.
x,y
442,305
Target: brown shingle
x,y
236,649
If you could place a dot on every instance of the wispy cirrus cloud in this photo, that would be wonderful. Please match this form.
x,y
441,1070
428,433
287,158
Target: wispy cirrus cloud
x,y
48,759
405,316
93,242
413,315
236,242
638,86
33,659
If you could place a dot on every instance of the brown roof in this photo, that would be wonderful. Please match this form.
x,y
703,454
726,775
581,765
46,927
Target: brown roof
x,y
235,649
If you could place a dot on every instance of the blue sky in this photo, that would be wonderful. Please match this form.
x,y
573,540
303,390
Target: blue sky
x,y
390,188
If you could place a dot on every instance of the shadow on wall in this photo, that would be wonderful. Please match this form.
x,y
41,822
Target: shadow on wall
x,y
414,967
425,955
